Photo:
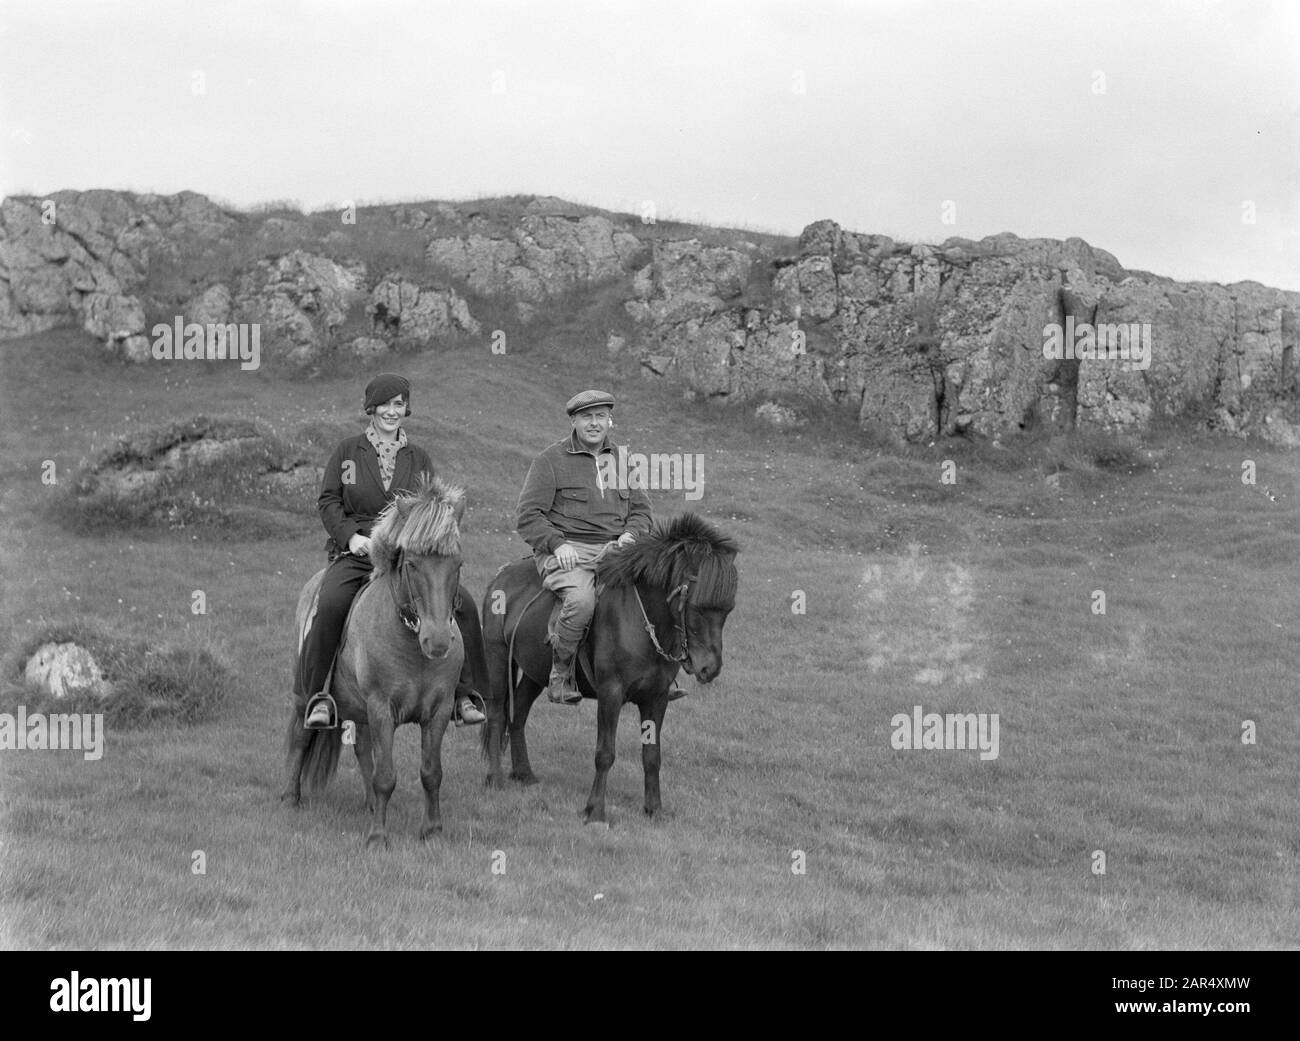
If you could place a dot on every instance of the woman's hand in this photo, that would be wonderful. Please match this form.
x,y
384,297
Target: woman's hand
x,y
627,538
359,545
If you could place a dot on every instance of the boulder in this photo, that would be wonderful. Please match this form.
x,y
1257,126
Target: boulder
x,y
1277,430
66,669
116,320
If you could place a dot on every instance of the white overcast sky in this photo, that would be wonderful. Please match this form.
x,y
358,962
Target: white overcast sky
x,y
996,106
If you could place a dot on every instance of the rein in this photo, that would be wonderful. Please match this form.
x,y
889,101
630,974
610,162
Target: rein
x,y
409,618
679,626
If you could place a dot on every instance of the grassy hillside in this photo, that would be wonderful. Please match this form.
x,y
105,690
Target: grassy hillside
x,y
1119,732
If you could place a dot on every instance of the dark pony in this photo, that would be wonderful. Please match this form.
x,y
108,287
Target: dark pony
x,y
662,604
399,659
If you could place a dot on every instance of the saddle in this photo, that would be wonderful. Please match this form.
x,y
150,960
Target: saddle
x,y
583,658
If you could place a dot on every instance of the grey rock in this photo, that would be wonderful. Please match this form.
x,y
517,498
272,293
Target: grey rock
x,y
66,669
420,315
301,298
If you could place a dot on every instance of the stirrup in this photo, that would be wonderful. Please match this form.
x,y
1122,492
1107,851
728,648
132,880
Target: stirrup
x,y
332,710
675,691
476,699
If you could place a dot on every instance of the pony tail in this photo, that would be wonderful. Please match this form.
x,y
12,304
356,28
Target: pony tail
x,y
320,759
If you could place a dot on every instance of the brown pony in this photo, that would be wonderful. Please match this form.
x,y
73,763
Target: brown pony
x,y
399,659
662,604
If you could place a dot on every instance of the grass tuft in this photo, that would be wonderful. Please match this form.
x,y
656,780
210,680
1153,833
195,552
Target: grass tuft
x,y
151,684
226,475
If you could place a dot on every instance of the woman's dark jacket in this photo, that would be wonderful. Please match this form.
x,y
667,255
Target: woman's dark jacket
x,y
351,497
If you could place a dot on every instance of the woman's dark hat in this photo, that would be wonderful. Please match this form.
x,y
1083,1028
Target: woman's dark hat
x,y
385,387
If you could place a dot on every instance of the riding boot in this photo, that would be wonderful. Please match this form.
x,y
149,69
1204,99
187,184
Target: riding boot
x,y
561,689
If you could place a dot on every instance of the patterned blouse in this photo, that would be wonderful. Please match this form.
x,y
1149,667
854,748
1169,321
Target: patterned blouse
x,y
387,451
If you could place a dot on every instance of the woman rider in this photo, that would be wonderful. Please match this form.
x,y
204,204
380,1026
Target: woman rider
x,y
363,475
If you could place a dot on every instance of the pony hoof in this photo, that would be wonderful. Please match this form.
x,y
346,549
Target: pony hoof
x,y
291,799
527,779
430,833
493,781
377,840
598,825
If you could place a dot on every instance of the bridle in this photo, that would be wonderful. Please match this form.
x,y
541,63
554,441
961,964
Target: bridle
x,y
679,626
410,618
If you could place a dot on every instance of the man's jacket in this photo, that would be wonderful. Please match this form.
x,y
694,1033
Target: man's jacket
x,y
350,507
565,499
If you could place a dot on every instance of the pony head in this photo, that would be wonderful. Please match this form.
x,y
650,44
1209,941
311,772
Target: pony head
x,y
684,554
421,523
684,549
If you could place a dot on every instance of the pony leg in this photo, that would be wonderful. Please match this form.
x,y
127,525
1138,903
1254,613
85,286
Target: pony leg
x,y
385,777
366,764
296,742
497,694
431,733
608,706
525,694
652,732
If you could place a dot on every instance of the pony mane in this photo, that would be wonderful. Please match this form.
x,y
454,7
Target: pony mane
x,y
421,523
683,548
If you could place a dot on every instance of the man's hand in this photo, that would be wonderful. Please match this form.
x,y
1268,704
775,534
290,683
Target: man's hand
x,y
359,545
627,538
566,556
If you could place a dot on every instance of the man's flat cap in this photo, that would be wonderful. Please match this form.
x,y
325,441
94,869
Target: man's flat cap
x,y
589,399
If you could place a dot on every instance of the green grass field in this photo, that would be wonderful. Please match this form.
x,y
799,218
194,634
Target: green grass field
x,y
1119,733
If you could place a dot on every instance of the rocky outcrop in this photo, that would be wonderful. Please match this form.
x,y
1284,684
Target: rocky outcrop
x,y
301,298
927,340
918,341
401,310
80,257
544,256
